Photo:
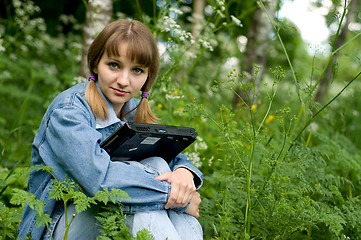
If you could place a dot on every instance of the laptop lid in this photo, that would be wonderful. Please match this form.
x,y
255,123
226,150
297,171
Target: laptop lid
x,y
137,141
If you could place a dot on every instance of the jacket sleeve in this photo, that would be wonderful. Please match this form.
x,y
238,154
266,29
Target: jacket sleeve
x,y
72,146
181,161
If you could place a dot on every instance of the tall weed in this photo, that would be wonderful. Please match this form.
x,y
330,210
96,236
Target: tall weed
x,y
274,169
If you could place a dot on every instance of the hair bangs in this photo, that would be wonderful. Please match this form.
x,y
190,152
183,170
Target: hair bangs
x,y
138,50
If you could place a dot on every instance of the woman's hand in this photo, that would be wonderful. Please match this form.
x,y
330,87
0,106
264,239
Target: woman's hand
x,y
193,208
182,191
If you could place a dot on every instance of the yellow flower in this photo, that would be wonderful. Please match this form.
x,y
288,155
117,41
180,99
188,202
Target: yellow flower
x,y
175,91
254,107
248,146
269,118
159,105
179,108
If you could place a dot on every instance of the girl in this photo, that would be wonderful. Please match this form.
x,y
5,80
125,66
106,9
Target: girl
x,y
123,60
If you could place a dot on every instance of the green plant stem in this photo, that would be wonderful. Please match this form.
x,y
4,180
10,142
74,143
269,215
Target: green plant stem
x,y
267,112
247,218
66,221
330,58
295,80
51,236
67,228
139,9
229,141
292,132
333,48
248,170
323,72
325,106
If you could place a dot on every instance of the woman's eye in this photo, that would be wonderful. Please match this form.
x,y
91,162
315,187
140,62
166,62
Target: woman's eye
x,y
138,71
113,65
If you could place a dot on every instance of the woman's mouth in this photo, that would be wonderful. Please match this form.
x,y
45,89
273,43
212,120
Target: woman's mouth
x,y
119,92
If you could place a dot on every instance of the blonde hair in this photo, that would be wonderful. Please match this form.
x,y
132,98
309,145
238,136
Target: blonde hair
x,y
141,48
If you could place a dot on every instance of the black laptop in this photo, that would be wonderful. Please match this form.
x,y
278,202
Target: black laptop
x,y
137,141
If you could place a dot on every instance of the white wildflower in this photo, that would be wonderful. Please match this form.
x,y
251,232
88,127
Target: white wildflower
x,y
313,127
176,10
16,3
200,144
186,9
236,21
195,159
24,48
208,10
172,97
2,49
99,3
210,161
179,111
67,19
206,44
51,69
190,55
204,119
5,75
13,57
79,79
78,58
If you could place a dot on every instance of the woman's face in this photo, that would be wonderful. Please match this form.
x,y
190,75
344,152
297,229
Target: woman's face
x,y
119,78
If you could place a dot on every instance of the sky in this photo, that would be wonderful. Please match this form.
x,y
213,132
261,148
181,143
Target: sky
x,y
309,19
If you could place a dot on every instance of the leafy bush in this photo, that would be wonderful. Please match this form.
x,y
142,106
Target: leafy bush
x,y
278,167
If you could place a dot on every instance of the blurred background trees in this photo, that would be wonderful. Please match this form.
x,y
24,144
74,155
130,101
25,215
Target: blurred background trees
x,y
204,44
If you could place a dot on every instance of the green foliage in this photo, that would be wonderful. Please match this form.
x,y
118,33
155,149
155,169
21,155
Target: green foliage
x,y
111,218
9,218
278,167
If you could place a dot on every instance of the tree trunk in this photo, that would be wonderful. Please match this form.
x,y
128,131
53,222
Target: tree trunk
x,y
198,17
255,56
325,81
98,15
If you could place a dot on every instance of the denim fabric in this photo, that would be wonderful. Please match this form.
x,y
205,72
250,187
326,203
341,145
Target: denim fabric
x,y
69,140
164,224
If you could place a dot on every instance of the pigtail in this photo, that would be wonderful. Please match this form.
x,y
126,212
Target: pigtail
x,y
96,101
144,114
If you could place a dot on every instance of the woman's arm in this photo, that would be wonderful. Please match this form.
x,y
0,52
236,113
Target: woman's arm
x,y
72,146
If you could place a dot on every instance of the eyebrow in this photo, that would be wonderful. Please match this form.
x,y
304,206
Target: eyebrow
x,y
117,61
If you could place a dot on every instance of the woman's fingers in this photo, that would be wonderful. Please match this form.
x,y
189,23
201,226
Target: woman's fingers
x,y
193,208
182,187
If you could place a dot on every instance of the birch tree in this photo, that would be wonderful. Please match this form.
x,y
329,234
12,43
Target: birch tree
x,y
198,17
98,14
255,56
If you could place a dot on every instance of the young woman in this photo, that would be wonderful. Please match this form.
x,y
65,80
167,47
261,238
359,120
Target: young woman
x,y
123,61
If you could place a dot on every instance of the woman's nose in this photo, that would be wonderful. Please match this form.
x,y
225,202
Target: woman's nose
x,y
123,78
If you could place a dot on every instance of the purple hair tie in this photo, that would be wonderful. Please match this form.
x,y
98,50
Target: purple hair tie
x,y
92,78
145,95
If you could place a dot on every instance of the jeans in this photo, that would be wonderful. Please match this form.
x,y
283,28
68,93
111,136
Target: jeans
x,y
161,224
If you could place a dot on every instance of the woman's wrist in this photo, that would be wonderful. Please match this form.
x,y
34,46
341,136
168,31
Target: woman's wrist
x,y
186,171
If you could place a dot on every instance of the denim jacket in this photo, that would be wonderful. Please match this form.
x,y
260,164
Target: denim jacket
x,y
68,140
